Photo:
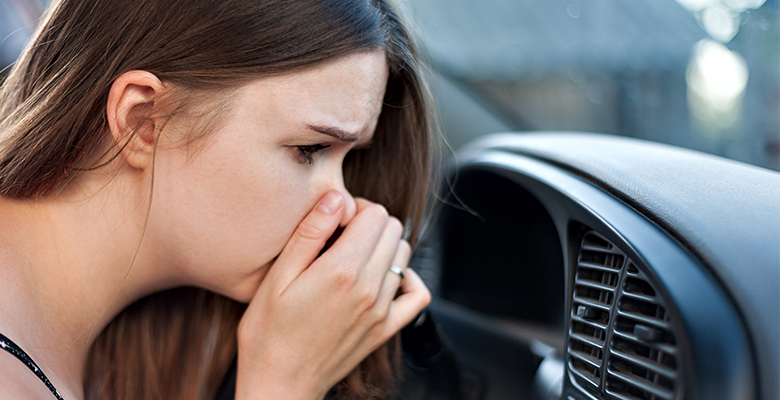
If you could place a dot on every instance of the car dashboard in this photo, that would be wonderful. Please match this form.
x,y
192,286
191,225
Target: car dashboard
x,y
581,267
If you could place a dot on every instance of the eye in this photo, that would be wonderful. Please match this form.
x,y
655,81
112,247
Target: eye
x,y
307,152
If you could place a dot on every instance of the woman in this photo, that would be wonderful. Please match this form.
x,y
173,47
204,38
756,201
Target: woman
x,y
152,145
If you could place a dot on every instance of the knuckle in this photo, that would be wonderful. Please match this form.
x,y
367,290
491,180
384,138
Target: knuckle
x,y
396,225
404,249
377,317
378,211
346,278
308,230
381,313
425,297
366,299
362,203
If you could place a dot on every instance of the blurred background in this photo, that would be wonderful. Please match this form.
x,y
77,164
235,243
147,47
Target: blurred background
x,y
701,74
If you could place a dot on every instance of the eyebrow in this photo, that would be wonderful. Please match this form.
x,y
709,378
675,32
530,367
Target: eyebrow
x,y
336,133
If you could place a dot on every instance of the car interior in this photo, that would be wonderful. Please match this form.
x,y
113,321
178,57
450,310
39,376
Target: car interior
x,y
580,266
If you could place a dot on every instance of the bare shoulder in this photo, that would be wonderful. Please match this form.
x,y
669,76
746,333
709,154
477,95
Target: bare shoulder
x,y
18,382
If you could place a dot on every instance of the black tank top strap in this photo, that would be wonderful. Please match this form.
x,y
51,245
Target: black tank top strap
x,y
11,347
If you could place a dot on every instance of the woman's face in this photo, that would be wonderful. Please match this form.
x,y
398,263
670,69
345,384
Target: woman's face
x,y
221,214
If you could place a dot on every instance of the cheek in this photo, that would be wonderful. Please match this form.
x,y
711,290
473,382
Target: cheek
x,y
225,213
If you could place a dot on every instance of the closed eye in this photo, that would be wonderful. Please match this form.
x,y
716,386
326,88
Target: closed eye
x,y
307,152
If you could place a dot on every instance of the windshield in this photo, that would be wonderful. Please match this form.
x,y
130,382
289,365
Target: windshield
x,y
701,74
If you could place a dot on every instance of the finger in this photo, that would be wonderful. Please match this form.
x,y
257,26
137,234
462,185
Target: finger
x,y
354,247
414,298
308,239
384,253
393,281
361,204
404,309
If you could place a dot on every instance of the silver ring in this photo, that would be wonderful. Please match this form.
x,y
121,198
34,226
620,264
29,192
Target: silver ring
x,y
394,269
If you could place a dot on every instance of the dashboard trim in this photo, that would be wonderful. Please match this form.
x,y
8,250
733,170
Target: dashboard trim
x,y
724,368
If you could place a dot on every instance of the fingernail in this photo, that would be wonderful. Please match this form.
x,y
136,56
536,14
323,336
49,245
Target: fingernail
x,y
330,203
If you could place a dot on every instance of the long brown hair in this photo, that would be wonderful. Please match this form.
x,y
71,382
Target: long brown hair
x,y
179,344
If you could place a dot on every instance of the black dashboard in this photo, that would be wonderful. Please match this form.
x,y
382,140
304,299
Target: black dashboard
x,y
582,267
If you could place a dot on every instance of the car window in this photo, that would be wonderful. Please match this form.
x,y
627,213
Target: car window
x,y
701,74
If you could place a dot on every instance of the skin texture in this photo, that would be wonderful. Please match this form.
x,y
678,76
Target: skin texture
x,y
235,212
268,187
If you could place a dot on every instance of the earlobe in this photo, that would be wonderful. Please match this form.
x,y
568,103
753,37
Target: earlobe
x,y
131,101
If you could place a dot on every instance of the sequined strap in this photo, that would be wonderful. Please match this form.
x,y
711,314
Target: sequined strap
x,y
11,347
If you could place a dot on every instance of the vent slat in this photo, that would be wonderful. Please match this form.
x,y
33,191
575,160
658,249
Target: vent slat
x,y
621,396
643,385
600,249
585,264
639,286
591,323
591,303
591,379
606,259
593,241
586,358
593,285
671,374
586,340
642,318
671,350
646,298
601,267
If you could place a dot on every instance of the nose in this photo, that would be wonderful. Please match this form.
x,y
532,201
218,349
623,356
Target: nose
x,y
350,207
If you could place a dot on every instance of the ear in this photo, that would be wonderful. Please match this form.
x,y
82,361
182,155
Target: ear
x,y
130,102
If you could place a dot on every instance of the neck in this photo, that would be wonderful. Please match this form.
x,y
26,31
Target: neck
x,y
73,262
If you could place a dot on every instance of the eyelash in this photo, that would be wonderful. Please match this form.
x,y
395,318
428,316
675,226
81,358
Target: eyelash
x,y
307,152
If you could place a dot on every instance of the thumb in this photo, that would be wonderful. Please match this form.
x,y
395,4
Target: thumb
x,y
307,241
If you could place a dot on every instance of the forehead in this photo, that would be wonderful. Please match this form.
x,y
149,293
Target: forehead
x,y
345,93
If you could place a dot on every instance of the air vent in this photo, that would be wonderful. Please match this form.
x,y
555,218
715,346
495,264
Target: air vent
x,y
642,361
599,266
621,339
